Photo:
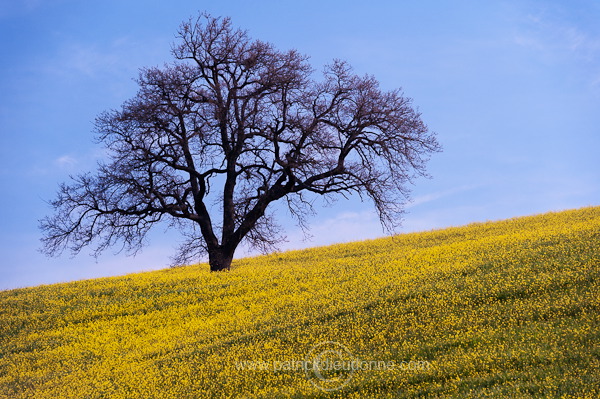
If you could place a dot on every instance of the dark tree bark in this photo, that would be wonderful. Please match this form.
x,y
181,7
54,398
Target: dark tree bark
x,y
220,258
237,123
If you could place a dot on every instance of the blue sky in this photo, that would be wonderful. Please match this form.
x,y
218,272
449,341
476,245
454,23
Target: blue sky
x,y
512,89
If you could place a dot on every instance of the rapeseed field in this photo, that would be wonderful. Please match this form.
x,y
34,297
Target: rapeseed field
x,y
500,309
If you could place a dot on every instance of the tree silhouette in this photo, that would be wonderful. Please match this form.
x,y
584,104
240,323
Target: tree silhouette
x,y
233,125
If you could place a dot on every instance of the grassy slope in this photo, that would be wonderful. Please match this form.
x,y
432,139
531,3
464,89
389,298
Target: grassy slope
x,y
504,309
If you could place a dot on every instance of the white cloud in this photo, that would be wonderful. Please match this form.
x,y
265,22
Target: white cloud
x,y
65,162
566,41
88,59
9,8
422,199
558,36
343,227
527,40
364,224
117,57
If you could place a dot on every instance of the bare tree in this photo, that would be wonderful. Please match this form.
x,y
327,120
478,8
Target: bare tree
x,y
231,126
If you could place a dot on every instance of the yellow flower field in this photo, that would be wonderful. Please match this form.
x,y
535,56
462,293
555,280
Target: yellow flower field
x,y
499,309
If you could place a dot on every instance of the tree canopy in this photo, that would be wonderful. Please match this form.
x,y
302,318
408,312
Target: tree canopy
x,y
231,126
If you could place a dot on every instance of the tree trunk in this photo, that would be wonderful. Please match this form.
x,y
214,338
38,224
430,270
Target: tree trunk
x,y
220,259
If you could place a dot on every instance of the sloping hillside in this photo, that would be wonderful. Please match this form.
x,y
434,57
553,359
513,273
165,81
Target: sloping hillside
x,y
502,309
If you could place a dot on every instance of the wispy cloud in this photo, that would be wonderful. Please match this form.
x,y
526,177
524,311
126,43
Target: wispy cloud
x,y
562,37
114,63
364,224
65,162
8,8
343,227
90,59
425,198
